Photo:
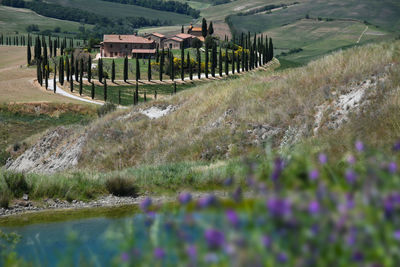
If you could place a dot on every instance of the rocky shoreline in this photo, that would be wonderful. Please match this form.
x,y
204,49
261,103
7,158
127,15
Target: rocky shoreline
x,y
25,206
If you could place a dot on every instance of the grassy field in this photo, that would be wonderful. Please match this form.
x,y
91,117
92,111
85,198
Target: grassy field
x,y
17,19
120,10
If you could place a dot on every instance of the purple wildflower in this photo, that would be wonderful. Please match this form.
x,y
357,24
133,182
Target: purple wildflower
x,y
266,241
207,201
323,158
185,198
279,207
392,167
232,217
192,252
228,181
351,176
282,257
215,239
358,256
313,207
313,175
159,253
351,160
359,146
396,235
125,257
146,204
396,146
279,166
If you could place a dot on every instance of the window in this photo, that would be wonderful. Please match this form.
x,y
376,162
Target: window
x,y
126,46
111,45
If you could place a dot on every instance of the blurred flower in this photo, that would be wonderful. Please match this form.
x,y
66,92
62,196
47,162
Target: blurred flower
x,y
266,241
125,257
207,201
279,207
279,166
282,257
211,258
184,198
313,207
232,217
392,167
351,176
323,158
358,256
359,146
159,253
313,175
229,249
192,252
215,239
351,160
396,235
228,181
146,204
237,194
396,146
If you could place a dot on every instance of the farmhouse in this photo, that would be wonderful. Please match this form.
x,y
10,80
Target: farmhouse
x,y
173,43
156,37
196,31
127,45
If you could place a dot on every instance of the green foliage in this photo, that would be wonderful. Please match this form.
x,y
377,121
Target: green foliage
x,y
16,183
121,187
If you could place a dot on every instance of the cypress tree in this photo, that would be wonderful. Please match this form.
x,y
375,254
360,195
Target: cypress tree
x,y
46,78
55,48
137,93
162,64
40,75
71,84
89,69
137,68
119,96
198,63
182,62
55,78
183,29
158,55
113,71
145,97
238,63
174,87
207,60
81,78
204,29
190,66
172,67
50,47
29,55
211,29
92,91
61,71
125,69
220,62
213,59
100,70
149,70
233,62
243,59
105,90
226,62
77,69
155,94
67,67
271,49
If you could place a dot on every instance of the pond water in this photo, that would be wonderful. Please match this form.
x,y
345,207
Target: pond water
x,y
48,238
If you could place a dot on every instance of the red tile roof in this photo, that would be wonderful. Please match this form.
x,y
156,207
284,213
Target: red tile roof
x,y
184,36
143,51
126,39
197,29
175,39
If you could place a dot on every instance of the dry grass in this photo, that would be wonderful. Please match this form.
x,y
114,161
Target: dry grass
x,y
16,80
278,99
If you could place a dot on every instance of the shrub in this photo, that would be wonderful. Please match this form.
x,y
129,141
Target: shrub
x,y
4,199
105,109
121,187
16,182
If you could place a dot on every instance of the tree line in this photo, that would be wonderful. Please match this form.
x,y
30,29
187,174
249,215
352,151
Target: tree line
x,y
171,6
238,55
